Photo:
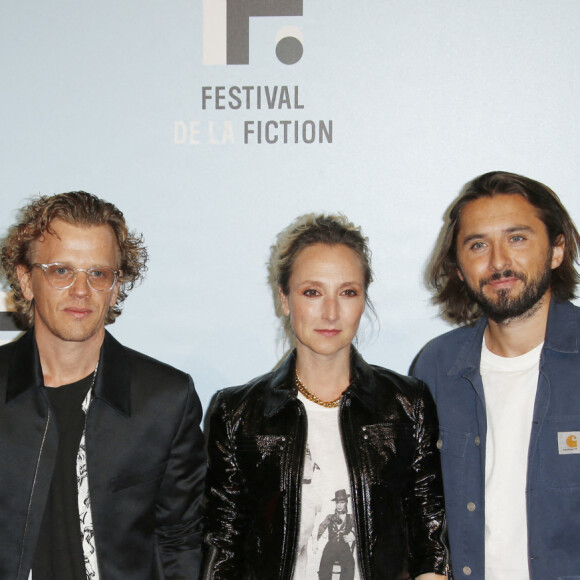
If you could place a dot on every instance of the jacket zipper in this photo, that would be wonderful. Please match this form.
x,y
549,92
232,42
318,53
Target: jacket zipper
x,y
298,490
28,509
208,574
348,459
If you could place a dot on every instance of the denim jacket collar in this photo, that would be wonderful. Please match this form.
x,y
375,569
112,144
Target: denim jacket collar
x,y
469,354
562,331
561,336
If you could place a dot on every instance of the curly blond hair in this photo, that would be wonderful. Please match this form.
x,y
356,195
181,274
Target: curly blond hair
x,y
76,208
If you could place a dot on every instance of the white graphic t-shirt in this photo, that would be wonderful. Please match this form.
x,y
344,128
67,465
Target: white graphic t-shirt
x,y
327,543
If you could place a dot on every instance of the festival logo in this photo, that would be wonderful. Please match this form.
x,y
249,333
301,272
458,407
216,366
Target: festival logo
x,y
233,112
226,30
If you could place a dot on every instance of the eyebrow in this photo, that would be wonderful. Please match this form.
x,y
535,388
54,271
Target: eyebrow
x,y
319,283
511,230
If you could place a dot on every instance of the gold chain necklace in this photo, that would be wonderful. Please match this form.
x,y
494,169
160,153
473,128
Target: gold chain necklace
x,y
312,397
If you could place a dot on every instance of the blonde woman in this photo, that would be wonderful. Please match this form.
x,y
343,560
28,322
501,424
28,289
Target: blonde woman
x,y
327,467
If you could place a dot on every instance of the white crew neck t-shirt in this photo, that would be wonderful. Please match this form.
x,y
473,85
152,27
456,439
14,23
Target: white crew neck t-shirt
x,y
510,385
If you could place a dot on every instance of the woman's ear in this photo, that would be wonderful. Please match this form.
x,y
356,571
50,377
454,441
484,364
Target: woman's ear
x,y
284,302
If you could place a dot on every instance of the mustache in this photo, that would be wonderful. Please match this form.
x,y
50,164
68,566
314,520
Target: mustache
x,y
505,274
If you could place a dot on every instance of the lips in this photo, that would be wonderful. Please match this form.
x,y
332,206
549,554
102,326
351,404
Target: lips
x,y
503,282
504,279
328,332
78,312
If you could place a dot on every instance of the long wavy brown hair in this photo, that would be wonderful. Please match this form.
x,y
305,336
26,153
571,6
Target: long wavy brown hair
x,y
442,274
76,208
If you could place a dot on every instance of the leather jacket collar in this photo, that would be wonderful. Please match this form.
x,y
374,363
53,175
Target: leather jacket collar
x,y
112,383
24,371
283,390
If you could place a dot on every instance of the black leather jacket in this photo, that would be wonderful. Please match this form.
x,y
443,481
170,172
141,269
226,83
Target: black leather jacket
x,y
256,443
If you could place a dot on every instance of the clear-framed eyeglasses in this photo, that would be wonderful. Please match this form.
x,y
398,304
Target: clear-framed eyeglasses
x,y
63,276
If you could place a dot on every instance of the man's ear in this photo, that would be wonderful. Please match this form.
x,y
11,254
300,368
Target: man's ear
x,y
284,302
460,275
558,249
115,293
24,278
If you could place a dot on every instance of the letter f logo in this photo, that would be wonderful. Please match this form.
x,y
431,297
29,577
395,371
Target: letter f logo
x,y
226,30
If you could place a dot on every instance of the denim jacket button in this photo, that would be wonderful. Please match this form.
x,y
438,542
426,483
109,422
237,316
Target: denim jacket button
x,y
477,440
471,506
467,570
439,443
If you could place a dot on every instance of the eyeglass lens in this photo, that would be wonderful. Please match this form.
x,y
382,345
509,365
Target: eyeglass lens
x,y
62,276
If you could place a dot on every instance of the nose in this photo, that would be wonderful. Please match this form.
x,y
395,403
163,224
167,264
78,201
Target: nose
x,y
80,286
499,259
330,311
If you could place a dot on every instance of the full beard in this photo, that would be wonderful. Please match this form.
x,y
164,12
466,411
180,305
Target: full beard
x,y
506,306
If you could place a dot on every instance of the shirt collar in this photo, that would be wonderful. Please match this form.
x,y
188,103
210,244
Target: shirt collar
x,y
561,336
112,383
283,389
562,328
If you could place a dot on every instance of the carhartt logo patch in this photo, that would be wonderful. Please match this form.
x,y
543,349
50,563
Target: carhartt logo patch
x,y
568,442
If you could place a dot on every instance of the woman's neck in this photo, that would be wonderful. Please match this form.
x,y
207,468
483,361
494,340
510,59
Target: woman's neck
x,y
325,376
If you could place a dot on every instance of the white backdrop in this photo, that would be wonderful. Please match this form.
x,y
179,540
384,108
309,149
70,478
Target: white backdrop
x,y
422,96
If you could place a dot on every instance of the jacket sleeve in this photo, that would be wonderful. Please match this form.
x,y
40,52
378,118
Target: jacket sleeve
x,y
225,519
178,516
425,504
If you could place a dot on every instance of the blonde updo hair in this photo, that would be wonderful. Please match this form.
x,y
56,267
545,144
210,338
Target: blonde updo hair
x,y
304,231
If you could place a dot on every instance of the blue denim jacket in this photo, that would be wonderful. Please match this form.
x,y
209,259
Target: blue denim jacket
x,y
450,366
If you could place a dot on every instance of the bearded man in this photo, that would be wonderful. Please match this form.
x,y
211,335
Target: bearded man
x,y
507,382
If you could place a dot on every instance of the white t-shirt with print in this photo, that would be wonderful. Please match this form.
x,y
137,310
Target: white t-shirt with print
x,y
327,533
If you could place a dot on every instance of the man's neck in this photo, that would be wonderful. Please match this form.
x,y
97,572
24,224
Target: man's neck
x,y
518,336
65,362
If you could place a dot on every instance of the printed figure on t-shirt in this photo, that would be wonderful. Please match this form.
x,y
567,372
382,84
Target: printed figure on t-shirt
x,y
340,546
310,467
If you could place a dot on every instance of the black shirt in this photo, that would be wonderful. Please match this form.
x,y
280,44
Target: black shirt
x,y
59,552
